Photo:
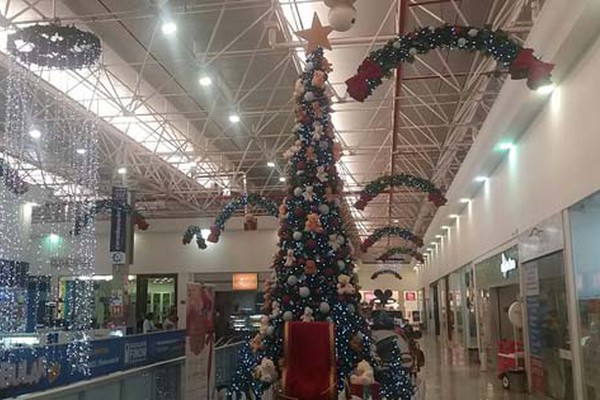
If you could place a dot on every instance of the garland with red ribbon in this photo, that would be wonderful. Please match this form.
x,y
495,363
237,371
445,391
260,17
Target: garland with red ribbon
x,y
521,62
390,231
374,188
386,271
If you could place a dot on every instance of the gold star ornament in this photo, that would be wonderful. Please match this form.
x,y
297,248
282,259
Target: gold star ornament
x,y
316,36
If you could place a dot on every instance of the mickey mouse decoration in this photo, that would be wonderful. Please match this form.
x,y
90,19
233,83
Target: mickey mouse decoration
x,y
383,297
342,14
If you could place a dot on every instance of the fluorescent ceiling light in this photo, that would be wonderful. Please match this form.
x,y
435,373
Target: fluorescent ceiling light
x,y
205,81
506,146
234,118
439,236
465,200
169,27
396,221
453,216
481,178
35,133
271,164
81,151
445,227
122,171
282,179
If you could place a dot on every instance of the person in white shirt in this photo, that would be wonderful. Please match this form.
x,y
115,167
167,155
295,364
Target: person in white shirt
x,y
148,325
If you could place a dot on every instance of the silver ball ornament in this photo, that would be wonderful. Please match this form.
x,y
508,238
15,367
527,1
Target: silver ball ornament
x,y
304,291
297,235
288,316
342,17
292,280
324,308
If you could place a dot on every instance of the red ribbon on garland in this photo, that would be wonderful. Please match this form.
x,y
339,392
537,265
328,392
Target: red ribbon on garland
x,y
527,66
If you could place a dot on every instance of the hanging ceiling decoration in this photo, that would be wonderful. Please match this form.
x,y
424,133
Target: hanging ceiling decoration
x,y
55,46
390,231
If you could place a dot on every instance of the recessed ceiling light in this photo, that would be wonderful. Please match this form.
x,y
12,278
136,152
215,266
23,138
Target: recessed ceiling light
x,y
465,200
169,27
270,164
453,216
546,89
35,133
81,151
396,221
481,178
122,171
445,227
234,118
205,81
439,236
282,179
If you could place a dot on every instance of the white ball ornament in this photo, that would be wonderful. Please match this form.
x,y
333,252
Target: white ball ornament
x,y
292,280
288,316
304,291
461,42
341,264
473,32
309,96
397,44
342,17
297,235
309,66
324,209
324,308
412,51
298,192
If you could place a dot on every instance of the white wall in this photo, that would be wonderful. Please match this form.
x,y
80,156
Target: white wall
x,y
554,165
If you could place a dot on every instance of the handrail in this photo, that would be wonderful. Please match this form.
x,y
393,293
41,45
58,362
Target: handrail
x,y
78,386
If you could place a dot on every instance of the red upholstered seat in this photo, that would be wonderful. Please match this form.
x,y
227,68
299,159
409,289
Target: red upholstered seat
x,y
310,365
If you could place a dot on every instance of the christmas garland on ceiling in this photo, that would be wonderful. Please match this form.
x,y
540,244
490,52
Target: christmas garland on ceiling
x,y
11,179
267,204
401,250
55,46
374,188
386,271
105,206
521,62
189,234
390,231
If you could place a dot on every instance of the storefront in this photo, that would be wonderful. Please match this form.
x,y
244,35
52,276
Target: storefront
x,y
462,308
541,251
497,284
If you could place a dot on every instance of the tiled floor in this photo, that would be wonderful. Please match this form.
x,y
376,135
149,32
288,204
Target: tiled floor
x,y
449,376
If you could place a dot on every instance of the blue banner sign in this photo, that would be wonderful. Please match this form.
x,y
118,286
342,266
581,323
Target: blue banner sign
x,y
534,321
30,370
118,226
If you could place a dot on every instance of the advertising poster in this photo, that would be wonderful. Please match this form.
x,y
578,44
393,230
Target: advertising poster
x,y
200,341
118,226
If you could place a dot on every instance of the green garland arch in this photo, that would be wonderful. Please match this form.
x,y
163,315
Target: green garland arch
x,y
386,271
390,231
267,204
401,250
521,62
375,187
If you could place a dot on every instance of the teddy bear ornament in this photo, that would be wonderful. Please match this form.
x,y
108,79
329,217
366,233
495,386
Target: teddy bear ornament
x,y
342,14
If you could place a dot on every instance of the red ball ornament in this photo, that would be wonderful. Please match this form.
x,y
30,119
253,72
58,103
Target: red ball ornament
x,y
329,272
311,244
299,212
301,165
286,299
301,261
314,208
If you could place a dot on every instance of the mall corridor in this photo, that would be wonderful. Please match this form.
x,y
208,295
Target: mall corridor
x,y
449,376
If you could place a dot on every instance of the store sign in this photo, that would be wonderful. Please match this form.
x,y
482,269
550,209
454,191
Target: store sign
x,y
245,281
410,295
507,265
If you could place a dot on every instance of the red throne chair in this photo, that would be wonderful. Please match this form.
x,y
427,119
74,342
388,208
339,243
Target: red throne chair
x,y
310,365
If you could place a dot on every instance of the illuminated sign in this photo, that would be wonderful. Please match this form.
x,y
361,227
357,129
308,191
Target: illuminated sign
x,y
507,265
245,281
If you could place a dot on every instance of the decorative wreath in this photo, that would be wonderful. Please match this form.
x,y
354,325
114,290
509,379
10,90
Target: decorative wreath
x,y
189,234
521,62
267,204
386,271
390,231
401,250
12,180
55,46
109,205
374,188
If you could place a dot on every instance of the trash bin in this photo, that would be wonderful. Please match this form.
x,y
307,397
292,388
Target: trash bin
x,y
517,381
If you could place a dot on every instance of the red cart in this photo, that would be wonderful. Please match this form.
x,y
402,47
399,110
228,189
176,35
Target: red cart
x,y
511,359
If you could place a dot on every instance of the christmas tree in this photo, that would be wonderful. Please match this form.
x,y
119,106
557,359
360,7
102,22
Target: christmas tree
x,y
313,275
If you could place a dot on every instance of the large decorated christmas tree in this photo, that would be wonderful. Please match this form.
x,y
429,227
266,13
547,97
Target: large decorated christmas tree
x,y
313,274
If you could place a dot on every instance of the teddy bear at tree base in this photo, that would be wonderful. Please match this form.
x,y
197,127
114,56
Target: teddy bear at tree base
x,y
363,375
342,14
344,286
308,315
266,371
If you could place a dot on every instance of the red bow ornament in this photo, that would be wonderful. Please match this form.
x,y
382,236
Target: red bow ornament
x,y
357,86
527,66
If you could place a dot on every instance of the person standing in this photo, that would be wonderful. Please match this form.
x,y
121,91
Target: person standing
x,y
148,325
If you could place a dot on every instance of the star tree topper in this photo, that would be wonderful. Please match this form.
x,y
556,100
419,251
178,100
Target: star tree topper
x,y
316,36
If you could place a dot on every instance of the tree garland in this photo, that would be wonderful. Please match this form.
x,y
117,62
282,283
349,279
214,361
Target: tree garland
x,y
109,205
55,46
401,250
12,180
386,271
390,231
189,234
520,61
374,188
267,204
